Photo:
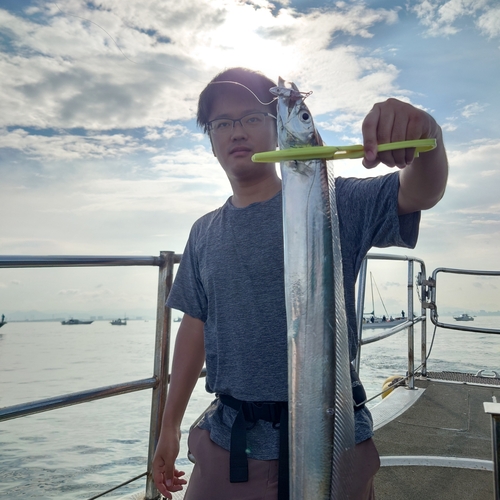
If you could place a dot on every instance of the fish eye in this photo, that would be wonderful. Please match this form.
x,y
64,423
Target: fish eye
x,y
305,116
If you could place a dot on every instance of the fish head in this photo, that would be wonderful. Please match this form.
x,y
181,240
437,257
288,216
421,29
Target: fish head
x,y
294,120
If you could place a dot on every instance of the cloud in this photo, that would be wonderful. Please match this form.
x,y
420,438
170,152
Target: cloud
x,y
468,111
86,296
489,173
449,126
97,142
69,292
66,146
69,72
474,177
142,64
473,109
465,226
485,283
489,22
440,17
167,132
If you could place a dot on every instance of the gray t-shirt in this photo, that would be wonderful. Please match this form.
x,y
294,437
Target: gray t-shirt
x,y
231,277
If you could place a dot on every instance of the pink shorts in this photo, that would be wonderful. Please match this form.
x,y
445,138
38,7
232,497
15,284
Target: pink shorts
x,y
210,477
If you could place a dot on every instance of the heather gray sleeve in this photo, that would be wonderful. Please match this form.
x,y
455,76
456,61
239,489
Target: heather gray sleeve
x,y
187,294
368,217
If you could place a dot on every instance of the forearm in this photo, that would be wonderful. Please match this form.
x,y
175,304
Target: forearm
x,y
189,356
422,180
422,183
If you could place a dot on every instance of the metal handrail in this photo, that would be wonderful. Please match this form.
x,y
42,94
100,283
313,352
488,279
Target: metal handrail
x,y
158,382
428,294
33,261
493,409
389,333
33,407
433,293
412,318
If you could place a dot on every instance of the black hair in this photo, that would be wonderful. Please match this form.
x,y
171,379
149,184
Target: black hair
x,y
253,81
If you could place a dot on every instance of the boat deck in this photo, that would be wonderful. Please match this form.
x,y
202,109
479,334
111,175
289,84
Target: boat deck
x,y
446,419
442,418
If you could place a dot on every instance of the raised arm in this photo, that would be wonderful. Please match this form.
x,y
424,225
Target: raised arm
x,y
423,179
189,356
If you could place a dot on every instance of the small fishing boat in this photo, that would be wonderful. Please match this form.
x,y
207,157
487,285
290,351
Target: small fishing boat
x,y
76,322
372,321
119,322
382,323
463,317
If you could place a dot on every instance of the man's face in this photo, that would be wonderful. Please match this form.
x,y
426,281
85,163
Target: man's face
x,y
234,148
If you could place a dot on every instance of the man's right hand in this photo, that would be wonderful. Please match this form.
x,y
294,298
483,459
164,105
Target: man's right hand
x,y
189,355
165,476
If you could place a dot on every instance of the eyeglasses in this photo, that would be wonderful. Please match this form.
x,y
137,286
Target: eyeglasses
x,y
252,121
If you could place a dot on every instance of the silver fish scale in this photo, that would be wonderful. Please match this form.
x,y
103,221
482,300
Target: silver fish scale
x,y
343,439
320,395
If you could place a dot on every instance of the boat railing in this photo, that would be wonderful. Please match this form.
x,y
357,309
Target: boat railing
x,y
158,382
413,317
432,285
390,331
493,409
427,292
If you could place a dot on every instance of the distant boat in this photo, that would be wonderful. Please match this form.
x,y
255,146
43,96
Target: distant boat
x,y
75,322
380,323
463,317
371,320
119,322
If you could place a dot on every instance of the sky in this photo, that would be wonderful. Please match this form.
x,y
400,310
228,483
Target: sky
x,y
100,153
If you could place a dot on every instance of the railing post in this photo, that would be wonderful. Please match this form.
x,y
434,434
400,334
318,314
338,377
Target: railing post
x,y
423,314
161,363
360,307
494,410
411,353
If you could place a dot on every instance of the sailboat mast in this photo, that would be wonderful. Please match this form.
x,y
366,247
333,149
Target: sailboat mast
x,y
371,286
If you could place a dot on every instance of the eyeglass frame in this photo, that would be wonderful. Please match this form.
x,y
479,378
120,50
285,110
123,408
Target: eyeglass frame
x,y
265,113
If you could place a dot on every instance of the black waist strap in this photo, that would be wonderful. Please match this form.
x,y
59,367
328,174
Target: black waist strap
x,y
277,413
248,411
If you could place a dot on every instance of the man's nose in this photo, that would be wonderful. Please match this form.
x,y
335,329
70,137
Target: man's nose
x,y
238,131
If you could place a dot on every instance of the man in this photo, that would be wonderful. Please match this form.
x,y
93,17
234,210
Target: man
x,y
230,287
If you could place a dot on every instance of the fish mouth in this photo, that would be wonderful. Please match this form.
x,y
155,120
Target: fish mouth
x,y
289,91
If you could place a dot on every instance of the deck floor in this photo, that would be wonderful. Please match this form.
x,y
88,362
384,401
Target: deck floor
x,y
459,428
447,420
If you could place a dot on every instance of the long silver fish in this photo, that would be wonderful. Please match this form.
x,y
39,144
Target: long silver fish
x,y
320,396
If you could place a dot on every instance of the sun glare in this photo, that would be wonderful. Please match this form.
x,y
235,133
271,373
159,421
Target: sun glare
x,y
241,41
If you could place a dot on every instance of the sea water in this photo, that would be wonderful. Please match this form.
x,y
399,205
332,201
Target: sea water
x,y
80,451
